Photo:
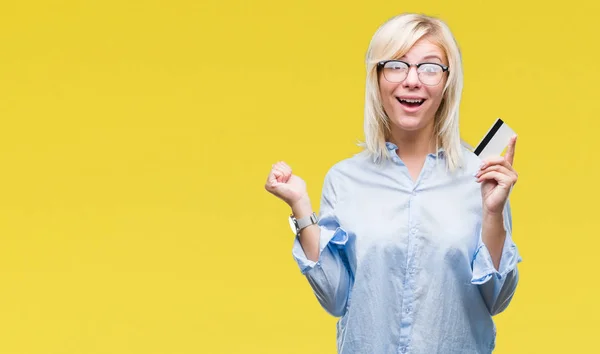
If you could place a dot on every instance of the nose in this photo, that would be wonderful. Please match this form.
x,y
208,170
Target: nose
x,y
412,78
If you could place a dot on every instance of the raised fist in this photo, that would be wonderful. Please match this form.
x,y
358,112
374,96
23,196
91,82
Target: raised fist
x,y
285,185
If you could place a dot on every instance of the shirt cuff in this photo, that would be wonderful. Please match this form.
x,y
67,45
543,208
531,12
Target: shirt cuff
x,y
483,265
337,237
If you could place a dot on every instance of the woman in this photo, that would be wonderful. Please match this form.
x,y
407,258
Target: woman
x,y
412,247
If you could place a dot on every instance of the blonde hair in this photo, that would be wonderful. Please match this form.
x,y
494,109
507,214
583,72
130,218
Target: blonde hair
x,y
392,40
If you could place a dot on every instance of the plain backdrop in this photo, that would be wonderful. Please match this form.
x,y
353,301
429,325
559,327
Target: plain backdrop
x,y
136,137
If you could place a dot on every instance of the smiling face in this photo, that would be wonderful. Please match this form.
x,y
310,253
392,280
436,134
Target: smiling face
x,y
410,104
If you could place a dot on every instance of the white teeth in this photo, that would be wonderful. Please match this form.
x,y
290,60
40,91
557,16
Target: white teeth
x,y
411,100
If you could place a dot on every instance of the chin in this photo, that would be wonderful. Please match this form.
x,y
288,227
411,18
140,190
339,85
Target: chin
x,y
409,123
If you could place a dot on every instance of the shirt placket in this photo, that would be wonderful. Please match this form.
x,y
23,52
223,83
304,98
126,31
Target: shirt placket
x,y
407,306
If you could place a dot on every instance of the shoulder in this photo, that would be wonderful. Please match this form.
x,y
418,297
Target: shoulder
x,y
350,166
346,174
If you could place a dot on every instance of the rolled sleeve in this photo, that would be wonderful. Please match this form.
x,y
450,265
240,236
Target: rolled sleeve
x,y
483,265
497,286
329,276
334,238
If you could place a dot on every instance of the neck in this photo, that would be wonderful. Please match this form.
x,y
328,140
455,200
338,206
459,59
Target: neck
x,y
414,144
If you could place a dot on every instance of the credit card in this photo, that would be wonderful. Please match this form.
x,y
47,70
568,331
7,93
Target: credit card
x,y
495,141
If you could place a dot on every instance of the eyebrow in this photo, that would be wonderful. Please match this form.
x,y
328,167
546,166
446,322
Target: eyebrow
x,y
427,57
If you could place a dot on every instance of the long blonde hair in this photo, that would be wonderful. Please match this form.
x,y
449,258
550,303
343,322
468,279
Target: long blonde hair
x,y
392,40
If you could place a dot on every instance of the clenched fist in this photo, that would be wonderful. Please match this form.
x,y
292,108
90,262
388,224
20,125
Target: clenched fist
x,y
285,185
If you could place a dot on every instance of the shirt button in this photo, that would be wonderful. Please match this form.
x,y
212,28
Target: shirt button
x,y
413,231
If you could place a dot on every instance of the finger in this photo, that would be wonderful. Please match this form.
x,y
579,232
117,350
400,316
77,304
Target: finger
x,y
510,151
285,167
273,177
279,168
498,168
284,175
500,178
282,166
492,175
279,164
494,160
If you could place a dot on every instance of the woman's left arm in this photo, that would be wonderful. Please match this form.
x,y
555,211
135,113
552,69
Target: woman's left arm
x,y
496,258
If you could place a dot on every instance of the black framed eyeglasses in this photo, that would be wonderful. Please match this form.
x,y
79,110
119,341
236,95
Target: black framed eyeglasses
x,y
396,71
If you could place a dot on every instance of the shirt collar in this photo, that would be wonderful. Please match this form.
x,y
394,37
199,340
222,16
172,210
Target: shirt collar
x,y
393,147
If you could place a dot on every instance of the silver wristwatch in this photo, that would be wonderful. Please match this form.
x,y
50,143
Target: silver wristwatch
x,y
299,224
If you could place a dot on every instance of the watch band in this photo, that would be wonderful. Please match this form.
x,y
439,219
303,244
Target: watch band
x,y
298,224
307,221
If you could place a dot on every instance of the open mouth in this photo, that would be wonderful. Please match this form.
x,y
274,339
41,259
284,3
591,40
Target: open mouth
x,y
411,103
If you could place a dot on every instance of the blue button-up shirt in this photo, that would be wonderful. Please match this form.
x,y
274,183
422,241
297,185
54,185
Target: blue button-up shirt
x,y
402,262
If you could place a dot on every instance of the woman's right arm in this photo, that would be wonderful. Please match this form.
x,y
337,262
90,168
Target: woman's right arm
x,y
319,247
309,236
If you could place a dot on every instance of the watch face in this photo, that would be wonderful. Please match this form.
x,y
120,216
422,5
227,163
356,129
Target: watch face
x,y
293,225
